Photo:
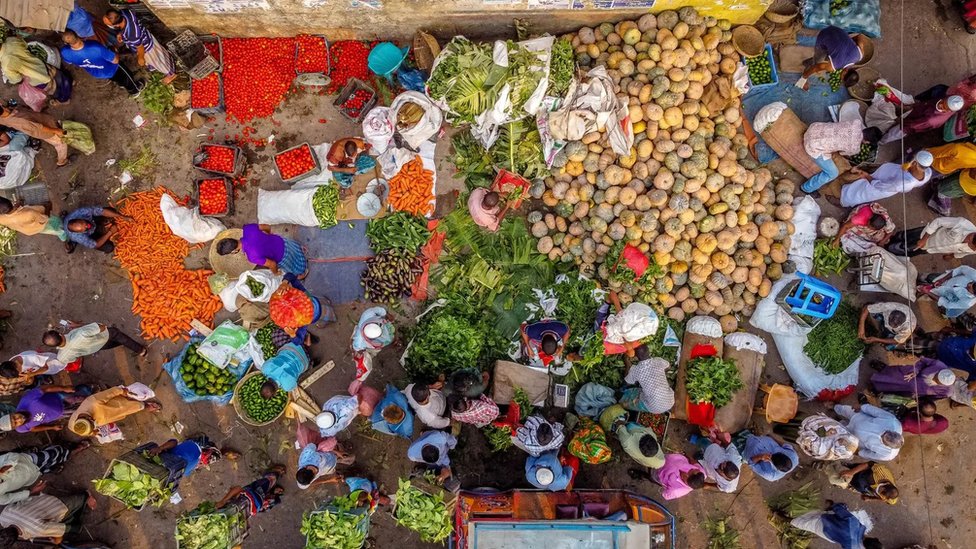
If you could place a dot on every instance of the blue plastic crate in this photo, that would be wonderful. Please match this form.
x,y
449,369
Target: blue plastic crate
x,y
768,51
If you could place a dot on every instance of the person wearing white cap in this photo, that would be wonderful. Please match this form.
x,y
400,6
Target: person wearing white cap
x,y
925,116
888,180
955,164
373,331
337,413
927,377
546,472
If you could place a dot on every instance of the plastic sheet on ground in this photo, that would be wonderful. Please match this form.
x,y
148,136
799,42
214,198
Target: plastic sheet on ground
x,y
173,369
862,16
591,106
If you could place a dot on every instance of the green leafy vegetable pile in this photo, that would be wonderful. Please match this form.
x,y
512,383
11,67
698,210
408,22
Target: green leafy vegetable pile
x,y
325,202
126,483
257,407
829,258
445,344
712,379
518,149
499,438
562,64
157,96
786,507
335,527
207,528
833,344
721,534
398,230
577,305
423,513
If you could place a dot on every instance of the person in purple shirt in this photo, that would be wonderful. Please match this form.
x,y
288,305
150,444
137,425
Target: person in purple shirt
x,y
958,352
97,60
92,227
265,249
835,50
42,408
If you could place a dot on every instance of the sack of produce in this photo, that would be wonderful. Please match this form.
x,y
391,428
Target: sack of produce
x,y
135,480
258,285
325,203
220,346
187,223
340,525
291,307
748,353
291,207
209,528
196,379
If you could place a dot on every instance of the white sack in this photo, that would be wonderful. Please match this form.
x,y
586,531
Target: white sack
x,y
806,212
187,223
270,280
292,207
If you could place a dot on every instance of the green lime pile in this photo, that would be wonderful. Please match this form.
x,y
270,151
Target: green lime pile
x,y
834,80
837,6
265,337
255,286
202,377
867,153
760,69
257,407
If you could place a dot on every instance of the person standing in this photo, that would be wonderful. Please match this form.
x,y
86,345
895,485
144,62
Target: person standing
x,y
959,352
109,406
337,414
547,471
835,50
87,339
42,409
479,412
284,369
949,236
149,52
97,60
926,115
888,323
31,220
838,525
467,382
38,125
887,180
878,431
823,139
92,227
678,476
486,209
392,415
820,437
266,249
722,467
31,364
43,516
954,290
956,162
316,466
20,471
538,436
769,459
430,450
429,404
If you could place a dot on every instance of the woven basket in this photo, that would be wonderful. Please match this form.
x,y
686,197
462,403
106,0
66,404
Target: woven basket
x,y
864,89
782,11
425,50
748,41
240,409
867,51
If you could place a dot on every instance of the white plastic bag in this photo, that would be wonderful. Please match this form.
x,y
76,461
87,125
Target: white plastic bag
x,y
592,105
228,296
427,127
220,346
806,212
187,223
768,115
292,207
270,281
378,128
634,323
18,167
140,391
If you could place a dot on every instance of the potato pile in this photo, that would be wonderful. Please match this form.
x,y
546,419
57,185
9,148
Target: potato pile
x,y
688,193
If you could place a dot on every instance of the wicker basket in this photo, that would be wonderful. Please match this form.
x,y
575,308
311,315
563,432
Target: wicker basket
x,y
748,41
864,89
240,410
867,51
425,50
782,11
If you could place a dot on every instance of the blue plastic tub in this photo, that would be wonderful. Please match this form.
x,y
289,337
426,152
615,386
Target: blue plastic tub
x,y
768,52
386,58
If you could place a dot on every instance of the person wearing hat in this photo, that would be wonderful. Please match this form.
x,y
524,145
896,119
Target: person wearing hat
x,y
927,377
888,180
887,323
956,164
392,415
108,406
878,431
374,331
955,292
43,408
547,472
823,139
337,413
265,249
930,114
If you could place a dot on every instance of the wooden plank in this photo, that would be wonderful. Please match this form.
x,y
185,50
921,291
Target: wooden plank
x,y
317,374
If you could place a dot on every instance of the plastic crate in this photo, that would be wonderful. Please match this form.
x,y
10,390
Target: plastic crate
x,y
238,160
315,78
768,52
136,459
33,194
315,171
362,512
238,527
219,107
213,38
804,321
191,55
229,189
351,87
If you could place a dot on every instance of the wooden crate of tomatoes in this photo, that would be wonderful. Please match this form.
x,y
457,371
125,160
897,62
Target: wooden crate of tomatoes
x,y
356,99
219,159
207,93
214,196
297,163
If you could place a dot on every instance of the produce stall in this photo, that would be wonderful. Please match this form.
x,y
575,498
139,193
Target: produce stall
x,y
208,528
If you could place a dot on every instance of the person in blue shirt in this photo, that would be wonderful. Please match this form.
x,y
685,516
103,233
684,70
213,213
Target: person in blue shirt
x,y
769,459
284,369
959,352
96,60
182,459
546,472
393,415
91,227
839,525
430,450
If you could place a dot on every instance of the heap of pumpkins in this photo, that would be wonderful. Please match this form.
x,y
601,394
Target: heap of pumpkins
x,y
688,194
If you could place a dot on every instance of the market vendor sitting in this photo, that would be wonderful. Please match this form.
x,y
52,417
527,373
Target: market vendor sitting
x,y
182,459
887,323
284,369
550,471
486,208
835,50
91,227
430,452
346,159
543,341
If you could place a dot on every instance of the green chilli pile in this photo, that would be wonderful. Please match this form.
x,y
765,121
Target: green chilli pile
x,y
325,202
390,274
712,379
398,230
423,513
833,345
265,337
257,407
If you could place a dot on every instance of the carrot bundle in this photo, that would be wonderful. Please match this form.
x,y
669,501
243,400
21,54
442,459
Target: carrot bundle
x,y
164,292
411,189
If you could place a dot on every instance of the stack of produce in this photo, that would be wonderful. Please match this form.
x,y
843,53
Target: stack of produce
x,y
688,193
213,197
348,59
291,308
518,149
335,527
255,406
325,203
712,379
311,54
423,513
398,230
205,92
833,345
265,337
164,293
296,162
412,189
257,75
207,528
202,377
218,159
390,274
134,488
829,258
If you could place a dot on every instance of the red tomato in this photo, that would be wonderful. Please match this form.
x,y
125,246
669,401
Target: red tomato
x,y
257,75
311,54
348,59
219,159
213,196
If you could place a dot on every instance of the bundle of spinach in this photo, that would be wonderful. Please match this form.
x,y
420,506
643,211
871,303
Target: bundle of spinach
x,y
595,366
157,96
443,345
499,438
833,344
712,379
518,149
562,64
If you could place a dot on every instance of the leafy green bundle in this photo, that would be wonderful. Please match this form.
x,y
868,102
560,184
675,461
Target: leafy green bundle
x,y
206,528
335,527
829,258
423,513
518,149
126,483
562,64
712,379
833,343
157,96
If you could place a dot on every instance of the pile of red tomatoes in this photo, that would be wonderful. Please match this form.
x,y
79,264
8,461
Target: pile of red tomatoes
x,y
295,162
311,54
258,73
212,196
218,159
349,59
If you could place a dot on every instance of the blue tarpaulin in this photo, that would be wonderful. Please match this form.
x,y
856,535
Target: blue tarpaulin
x,y
336,260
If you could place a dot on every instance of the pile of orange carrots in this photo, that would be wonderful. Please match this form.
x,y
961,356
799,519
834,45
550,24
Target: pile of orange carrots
x,y
164,293
412,189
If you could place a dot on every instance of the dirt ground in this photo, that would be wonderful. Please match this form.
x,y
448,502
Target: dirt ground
x,y
44,286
